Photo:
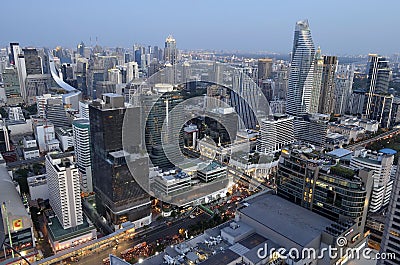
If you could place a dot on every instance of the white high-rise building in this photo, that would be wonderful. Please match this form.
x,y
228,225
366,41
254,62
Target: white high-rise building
x,y
301,74
115,76
84,109
81,130
381,164
391,235
64,189
132,71
343,87
275,133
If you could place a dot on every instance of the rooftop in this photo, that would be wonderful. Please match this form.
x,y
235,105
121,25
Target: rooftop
x,y
58,233
285,218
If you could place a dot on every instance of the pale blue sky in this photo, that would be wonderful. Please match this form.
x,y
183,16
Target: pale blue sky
x,y
338,26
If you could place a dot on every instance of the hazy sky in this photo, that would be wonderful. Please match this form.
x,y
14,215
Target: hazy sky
x,y
338,26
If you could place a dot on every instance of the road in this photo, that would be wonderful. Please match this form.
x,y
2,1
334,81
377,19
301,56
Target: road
x,y
150,236
373,139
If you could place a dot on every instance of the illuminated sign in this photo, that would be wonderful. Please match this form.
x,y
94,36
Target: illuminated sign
x,y
17,224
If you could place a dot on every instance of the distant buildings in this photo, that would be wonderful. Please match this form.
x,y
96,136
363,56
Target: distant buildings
x,y
170,51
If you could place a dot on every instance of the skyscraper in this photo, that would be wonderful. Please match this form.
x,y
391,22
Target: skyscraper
x,y
32,61
64,190
81,130
170,51
378,72
327,93
301,71
391,235
343,87
264,68
119,198
317,81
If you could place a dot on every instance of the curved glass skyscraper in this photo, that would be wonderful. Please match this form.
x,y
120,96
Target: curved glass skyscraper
x,y
301,71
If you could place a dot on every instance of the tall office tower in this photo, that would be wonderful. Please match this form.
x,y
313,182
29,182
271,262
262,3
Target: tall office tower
x,y
329,189
327,94
301,71
132,71
64,190
275,133
381,109
33,62
343,87
264,68
381,165
21,69
14,51
81,74
244,97
119,198
356,102
80,49
81,131
157,107
281,81
391,235
311,129
11,85
317,81
137,54
170,51
378,72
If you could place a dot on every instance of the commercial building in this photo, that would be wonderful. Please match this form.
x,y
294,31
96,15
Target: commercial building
x,y
119,198
254,237
324,186
380,163
265,68
16,223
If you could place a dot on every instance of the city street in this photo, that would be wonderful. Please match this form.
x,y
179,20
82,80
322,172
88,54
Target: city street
x,y
149,236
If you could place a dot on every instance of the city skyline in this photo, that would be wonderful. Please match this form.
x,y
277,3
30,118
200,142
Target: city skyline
x,y
339,31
